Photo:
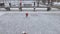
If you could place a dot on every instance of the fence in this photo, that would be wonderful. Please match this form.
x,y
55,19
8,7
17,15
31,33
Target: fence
x,y
7,4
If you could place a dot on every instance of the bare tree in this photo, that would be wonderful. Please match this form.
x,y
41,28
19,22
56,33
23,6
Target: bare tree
x,y
38,3
44,1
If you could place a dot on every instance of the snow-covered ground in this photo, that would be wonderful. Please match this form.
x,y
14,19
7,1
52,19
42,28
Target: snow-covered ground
x,y
35,23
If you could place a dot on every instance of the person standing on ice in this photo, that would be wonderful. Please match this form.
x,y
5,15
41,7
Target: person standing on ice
x,y
26,14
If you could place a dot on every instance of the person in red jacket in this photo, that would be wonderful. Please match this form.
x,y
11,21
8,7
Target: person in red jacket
x,y
26,14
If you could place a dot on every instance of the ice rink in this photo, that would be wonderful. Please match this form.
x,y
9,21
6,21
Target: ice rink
x,y
35,23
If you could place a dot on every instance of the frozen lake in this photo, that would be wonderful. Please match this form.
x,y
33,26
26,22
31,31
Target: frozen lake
x,y
35,23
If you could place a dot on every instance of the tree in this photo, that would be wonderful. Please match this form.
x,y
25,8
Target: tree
x,y
38,3
44,1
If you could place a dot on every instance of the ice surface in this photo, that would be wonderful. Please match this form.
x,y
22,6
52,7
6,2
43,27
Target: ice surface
x,y
2,13
35,23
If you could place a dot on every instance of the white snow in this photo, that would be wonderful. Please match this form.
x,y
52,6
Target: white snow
x,y
57,3
30,9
